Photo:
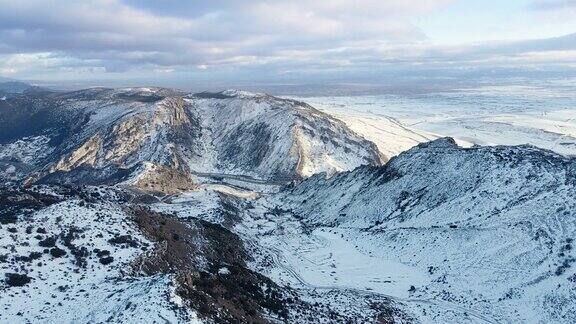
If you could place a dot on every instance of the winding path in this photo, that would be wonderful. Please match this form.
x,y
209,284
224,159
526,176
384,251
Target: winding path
x,y
280,262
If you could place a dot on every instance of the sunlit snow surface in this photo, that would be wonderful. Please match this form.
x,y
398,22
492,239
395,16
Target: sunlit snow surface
x,y
64,291
541,115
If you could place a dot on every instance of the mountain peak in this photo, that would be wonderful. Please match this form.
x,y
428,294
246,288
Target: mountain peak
x,y
242,94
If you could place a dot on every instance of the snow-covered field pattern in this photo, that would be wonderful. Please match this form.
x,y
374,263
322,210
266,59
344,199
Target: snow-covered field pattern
x,y
152,205
543,115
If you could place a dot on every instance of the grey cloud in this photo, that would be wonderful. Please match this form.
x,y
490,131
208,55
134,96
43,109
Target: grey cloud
x,y
117,37
280,37
553,4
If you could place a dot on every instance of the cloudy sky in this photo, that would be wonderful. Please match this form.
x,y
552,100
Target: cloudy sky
x,y
299,41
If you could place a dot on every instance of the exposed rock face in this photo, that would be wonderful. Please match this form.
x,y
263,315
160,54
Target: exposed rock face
x,y
84,155
128,136
161,179
113,131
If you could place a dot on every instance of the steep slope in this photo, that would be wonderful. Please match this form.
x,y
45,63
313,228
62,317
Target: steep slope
x,y
105,134
491,226
100,129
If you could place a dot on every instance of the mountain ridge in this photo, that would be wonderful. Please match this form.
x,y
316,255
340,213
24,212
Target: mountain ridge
x,y
498,221
227,132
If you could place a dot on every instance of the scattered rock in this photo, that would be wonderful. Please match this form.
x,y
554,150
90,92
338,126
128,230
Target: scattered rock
x,y
106,260
57,252
17,280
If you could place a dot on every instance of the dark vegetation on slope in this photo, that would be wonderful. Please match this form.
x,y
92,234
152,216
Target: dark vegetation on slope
x,y
209,266
16,201
197,252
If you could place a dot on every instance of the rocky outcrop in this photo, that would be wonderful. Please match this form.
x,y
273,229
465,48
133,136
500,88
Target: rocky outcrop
x,y
85,154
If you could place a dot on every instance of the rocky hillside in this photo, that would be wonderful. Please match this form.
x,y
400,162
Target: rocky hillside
x,y
107,135
492,227
105,254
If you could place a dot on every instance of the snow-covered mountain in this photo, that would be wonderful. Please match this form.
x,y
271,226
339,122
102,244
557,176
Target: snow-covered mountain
x,y
8,87
151,205
103,254
107,135
489,228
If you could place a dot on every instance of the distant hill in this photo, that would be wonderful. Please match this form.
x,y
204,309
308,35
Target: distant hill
x,y
14,86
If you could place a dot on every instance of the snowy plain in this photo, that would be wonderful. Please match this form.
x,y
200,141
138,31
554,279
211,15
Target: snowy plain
x,y
543,115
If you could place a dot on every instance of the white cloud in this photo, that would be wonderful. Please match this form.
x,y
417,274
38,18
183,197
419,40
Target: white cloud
x,y
8,71
112,30
51,37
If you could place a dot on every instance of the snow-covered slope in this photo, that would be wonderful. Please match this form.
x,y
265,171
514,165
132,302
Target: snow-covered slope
x,y
277,138
101,254
492,227
106,133
65,257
